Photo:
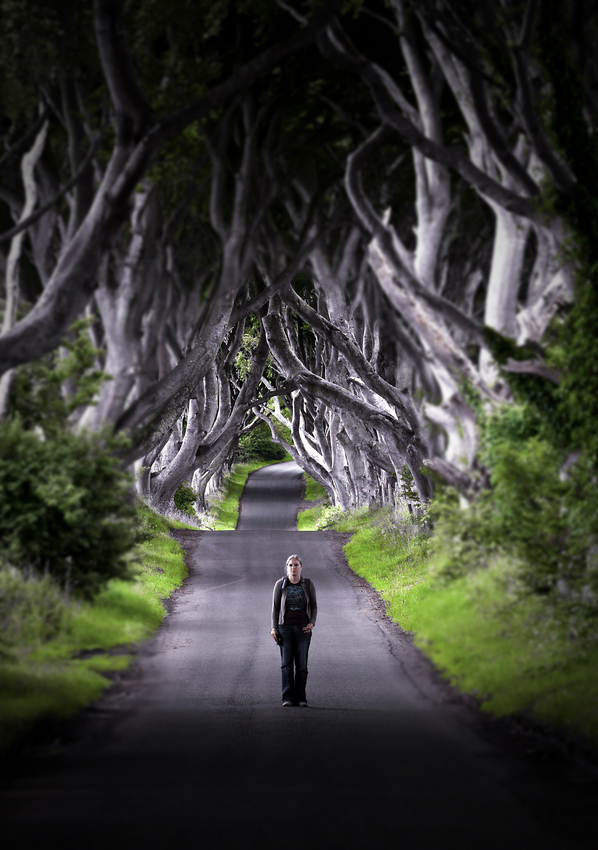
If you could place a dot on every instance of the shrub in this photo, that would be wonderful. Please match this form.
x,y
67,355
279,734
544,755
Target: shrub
x,y
329,517
64,506
185,498
538,514
48,392
33,609
398,524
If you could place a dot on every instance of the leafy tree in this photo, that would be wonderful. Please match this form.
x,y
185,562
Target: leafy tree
x,y
48,392
65,501
65,506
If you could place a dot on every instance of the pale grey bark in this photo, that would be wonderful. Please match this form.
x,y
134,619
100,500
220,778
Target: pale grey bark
x,y
339,48
11,285
211,427
433,195
139,137
340,399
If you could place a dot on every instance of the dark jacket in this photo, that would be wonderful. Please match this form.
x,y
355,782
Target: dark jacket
x,y
279,598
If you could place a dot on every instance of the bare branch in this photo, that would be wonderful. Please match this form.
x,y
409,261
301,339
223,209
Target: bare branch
x,y
384,235
23,225
133,112
26,139
338,47
533,367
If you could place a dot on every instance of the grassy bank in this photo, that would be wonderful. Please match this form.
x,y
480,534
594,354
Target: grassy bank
x,y
58,656
310,517
510,650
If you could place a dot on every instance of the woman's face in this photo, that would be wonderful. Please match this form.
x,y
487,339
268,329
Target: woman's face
x,y
294,570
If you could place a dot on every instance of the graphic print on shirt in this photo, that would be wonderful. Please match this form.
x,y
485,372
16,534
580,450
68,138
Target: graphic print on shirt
x,y
295,606
295,597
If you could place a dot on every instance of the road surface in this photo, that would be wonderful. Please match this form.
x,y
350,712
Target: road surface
x,y
195,750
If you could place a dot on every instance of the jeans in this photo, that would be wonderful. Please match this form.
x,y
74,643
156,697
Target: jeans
x,y
293,654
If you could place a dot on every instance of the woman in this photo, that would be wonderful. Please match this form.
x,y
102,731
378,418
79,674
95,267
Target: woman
x,y
294,611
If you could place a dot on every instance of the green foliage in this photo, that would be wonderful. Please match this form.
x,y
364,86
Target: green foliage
x,y
569,130
397,525
538,392
578,392
512,424
48,391
185,499
244,358
408,487
42,674
535,516
63,506
328,517
33,608
258,445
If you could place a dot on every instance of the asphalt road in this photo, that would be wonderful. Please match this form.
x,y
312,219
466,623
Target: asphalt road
x,y
194,748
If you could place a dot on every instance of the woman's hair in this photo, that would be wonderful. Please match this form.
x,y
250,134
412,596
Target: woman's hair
x,y
294,557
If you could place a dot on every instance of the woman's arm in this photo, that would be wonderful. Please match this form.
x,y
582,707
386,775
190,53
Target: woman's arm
x,y
276,597
313,604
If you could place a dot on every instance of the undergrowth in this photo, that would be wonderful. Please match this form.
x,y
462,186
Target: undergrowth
x,y
59,653
312,519
516,651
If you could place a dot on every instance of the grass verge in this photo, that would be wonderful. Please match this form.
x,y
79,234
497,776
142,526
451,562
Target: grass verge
x,y
511,651
309,518
69,661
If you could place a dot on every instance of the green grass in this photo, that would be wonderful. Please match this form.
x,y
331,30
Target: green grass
x,y
510,651
400,572
313,490
309,519
51,678
45,669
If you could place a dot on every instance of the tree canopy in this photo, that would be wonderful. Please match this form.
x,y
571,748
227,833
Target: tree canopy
x,y
368,224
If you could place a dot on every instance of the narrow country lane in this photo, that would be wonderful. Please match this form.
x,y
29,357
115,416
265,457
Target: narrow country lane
x,y
198,752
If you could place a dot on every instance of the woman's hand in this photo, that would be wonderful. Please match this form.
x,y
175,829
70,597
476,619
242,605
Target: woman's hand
x,y
274,634
307,629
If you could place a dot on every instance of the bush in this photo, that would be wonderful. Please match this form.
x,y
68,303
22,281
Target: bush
x,y
538,514
329,517
32,608
64,506
185,499
397,524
